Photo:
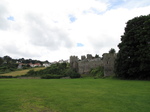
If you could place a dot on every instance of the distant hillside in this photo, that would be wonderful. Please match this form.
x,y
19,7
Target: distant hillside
x,y
8,64
21,72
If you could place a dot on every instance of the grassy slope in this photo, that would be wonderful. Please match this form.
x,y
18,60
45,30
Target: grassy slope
x,y
21,72
74,95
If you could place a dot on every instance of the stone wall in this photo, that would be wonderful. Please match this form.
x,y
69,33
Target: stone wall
x,y
86,64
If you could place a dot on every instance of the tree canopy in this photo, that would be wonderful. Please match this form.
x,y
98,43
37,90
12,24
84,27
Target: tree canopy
x,y
133,58
57,70
112,51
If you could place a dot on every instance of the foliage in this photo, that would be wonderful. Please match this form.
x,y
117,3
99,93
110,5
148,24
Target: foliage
x,y
57,70
96,56
31,73
133,59
72,73
7,59
8,67
97,72
27,61
8,64
112,51
1,61
6,77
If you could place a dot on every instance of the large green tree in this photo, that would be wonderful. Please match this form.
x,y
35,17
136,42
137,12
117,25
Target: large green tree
x,y
133,58
7,59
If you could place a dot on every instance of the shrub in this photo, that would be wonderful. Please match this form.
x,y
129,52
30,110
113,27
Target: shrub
x,y
55,71
51,76
97,72
31,73
6,76
72,73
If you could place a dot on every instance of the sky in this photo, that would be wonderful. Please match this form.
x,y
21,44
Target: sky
x,y
56,29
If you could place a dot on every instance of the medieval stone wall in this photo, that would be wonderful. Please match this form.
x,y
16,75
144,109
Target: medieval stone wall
x,y
86,64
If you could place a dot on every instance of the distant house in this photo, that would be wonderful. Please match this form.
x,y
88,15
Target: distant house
x,y
35,65
31,65
17,62
46,64
20,65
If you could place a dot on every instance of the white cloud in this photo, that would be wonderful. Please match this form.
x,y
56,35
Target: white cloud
x,y
43,34
42,29
3,15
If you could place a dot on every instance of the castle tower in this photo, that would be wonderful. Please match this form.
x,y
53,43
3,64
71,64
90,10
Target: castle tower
x,y
83,57
108,63
74,63
89,56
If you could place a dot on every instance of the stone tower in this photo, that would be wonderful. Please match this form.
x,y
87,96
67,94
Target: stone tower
x,y
108,63
89,56
83,57
74,63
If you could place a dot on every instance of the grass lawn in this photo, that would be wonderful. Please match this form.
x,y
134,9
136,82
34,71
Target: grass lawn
x,y
74,95
21,72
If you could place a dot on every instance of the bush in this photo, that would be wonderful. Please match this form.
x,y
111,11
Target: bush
x,y
31,73
5,68
6,76
97,72
51,76
72,73
55,71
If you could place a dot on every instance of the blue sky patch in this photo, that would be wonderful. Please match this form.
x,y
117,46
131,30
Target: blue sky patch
x,y
80,45
11,18
96,11
115,4
72,18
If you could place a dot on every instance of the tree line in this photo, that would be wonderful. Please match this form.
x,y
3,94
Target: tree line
x,y
8,64
55,71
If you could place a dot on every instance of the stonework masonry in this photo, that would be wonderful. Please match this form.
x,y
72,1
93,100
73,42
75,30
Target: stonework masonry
x,y
84,65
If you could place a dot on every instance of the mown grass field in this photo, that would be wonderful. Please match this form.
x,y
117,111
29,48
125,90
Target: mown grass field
x,y
74,95
21,72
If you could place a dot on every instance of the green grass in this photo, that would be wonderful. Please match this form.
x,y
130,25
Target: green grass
x,y
21,72
74,95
